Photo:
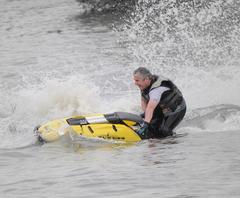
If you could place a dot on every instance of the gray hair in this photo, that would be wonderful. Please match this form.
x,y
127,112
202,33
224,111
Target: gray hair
x,y
144,72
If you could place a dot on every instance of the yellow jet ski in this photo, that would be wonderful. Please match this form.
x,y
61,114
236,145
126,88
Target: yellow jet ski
x,y
118,126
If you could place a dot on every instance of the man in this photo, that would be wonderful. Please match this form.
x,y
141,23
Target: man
x,y
162,102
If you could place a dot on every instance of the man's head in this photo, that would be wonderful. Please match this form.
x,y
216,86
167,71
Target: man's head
x,y
142,77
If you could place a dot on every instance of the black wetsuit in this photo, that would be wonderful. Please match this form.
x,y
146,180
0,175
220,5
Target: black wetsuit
x,y
171,103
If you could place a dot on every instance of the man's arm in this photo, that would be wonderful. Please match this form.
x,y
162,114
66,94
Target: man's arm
x,y
149,110
155,96
143,104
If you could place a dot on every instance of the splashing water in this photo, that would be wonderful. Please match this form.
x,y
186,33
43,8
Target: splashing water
x,y
26,108
195,44
55,64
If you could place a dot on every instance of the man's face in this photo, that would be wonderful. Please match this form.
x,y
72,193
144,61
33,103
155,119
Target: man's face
x,y
140,81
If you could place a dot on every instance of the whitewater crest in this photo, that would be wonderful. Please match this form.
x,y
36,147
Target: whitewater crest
x,y
218,118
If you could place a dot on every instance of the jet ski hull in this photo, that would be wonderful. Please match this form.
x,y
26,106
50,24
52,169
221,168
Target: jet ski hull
x,y
118,126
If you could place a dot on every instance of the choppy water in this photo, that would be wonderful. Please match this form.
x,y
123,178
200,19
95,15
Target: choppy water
x,y
58,59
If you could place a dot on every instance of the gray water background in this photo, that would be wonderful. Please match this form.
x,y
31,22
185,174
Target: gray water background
x,y
57,62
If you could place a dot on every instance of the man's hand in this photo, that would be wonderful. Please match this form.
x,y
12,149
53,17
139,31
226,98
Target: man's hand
x,y
144,131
